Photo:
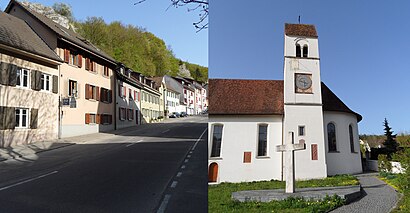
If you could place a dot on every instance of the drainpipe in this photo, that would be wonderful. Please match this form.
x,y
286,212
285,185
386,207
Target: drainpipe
x,y
59,104
283,142
115,101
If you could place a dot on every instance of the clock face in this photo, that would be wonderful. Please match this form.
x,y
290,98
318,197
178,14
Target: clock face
x,y
303,81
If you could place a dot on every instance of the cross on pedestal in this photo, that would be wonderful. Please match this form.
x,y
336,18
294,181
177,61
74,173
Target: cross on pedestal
x,y
288,148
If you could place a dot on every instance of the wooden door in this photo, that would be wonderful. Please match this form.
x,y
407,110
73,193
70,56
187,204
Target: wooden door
x,y
213,172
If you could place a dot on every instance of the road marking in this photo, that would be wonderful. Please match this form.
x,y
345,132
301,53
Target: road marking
x,y
186,160
174,184
179,174
196,143
190,152
140,141
183,167
29,180
166,131
128,145
188,156
164,204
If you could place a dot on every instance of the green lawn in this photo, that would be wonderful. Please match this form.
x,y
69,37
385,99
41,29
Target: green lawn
x,y
219,196
393,180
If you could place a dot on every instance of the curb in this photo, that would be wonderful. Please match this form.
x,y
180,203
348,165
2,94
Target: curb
x,y
36,152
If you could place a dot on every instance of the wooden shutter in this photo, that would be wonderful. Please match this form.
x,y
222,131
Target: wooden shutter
x,y
38,80
55,84
87,64
66,56
12,70
2,114
9,118
33,118
97,118
109,96
87,118
80,61
87,93
139,96
33,80
4,73
97,93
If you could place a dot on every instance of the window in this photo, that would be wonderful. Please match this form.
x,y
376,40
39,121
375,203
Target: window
x,y
216,140
130,94
72,88
331,137
106,119
93,119
22,77
122,114
298,50
45,82
74,59
21,118
130,115
93,92
263,140
305,51
351,138
301,131
106,71
105,95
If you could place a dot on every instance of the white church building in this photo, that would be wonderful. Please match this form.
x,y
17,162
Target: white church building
x,y
248,119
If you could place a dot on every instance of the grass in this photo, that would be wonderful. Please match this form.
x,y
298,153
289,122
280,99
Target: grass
x,y
393,180
219,196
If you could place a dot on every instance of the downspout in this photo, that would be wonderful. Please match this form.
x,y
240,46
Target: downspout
x,y
282,153
115,99
60,111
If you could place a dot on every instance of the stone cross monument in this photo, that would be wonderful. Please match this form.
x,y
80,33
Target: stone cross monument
x,y
289,148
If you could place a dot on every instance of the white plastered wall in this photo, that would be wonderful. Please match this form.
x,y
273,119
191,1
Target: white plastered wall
x,y
240,134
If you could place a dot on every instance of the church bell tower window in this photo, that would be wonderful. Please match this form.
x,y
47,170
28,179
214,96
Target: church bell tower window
x,y
305,51
298,51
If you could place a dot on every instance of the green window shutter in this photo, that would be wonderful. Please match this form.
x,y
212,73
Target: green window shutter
x,y
12,70
55,84
4,73
2,109
10,117
33,118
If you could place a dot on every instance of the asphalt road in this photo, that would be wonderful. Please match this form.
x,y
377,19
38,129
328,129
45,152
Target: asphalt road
x,y
154,168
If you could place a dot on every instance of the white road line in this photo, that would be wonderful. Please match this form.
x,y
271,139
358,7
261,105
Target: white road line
x,y
166,131
190,152
174,184
186,160
26,181
140,141
179,174
188,156
183,167
196,143
128,145
164,204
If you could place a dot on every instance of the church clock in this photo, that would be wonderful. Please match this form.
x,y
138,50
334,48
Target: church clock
x,y
303,83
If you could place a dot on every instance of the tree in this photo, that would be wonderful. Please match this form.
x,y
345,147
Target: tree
x,y
390,143
198,5
64,10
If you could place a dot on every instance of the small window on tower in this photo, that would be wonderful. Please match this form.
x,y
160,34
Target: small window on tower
x,y
298,51
305,51
301,130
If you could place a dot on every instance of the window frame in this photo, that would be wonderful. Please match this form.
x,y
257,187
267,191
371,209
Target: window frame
x,y
328,138
215,146
44,82
351,139
70,90
19,123
266,142
304,130
20,74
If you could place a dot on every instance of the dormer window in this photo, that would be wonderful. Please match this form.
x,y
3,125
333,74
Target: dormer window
x,y
305,51
298,51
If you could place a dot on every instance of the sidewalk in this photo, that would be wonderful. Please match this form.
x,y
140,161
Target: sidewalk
x,y
23,150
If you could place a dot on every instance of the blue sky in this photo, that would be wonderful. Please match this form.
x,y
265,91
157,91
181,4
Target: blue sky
x,y
364,50
174,25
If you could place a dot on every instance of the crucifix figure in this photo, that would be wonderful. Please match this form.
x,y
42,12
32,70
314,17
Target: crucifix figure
x,y
289,148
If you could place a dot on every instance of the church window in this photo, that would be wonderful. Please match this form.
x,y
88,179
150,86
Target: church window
x,y
331,137
351,138
216,140
298,51
305,51
301,130
263,140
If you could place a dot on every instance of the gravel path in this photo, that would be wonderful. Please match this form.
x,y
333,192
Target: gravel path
x,y
378,197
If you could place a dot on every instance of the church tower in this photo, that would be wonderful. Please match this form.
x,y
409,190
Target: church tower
x,y
303,99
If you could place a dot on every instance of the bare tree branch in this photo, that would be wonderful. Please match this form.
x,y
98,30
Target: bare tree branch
x,y
199,5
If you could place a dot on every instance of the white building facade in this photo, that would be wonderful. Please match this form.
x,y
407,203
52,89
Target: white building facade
x,y
243,138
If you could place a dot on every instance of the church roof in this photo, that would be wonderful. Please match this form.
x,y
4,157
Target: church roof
x,y
14,32
307,30
260,97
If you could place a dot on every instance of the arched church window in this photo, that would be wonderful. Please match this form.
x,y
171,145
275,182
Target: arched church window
x,y
351,138
216,140
331,137
305,51
298,51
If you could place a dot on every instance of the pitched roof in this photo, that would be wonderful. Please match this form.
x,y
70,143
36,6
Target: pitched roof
x,y
14,32
245,97
260,97
63,32
307,30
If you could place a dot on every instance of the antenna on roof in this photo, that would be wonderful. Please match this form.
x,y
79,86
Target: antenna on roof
x,y
299,19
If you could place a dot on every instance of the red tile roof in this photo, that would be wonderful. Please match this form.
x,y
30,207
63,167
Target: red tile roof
x,y
307,30
260,97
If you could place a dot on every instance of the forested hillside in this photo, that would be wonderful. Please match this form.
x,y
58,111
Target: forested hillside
x,y
138,49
